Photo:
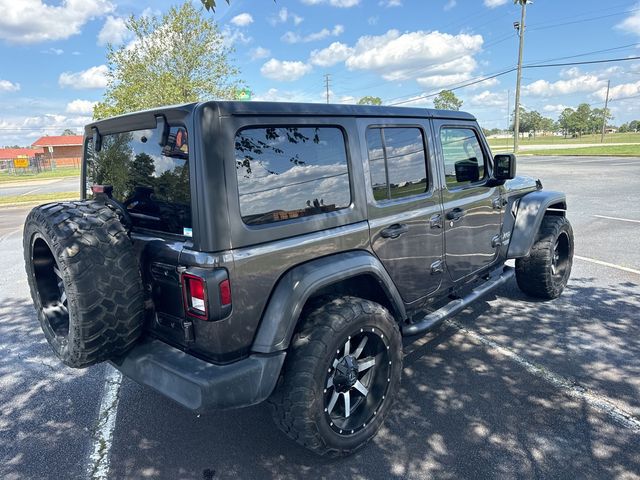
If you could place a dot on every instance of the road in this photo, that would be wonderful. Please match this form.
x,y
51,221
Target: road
x,y
512,387
70,184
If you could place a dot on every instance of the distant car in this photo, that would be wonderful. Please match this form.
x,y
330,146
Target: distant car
x,y
228,253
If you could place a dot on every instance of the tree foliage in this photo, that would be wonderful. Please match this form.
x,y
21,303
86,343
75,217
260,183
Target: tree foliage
x,y
178,57
370,101
67,132
447,100
583,120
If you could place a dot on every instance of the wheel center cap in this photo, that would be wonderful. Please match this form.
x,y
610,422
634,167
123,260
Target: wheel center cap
x,y
346,374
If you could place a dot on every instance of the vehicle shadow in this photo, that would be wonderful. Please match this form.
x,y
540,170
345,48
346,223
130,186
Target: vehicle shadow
x,y
463,411
47,411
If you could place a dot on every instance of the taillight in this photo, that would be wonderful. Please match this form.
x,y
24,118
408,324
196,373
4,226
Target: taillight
x,y
201,300
195,297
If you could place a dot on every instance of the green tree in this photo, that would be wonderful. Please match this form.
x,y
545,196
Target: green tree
x,y
178,57
141,171
67,132
447,100
370,101
565,121
634,125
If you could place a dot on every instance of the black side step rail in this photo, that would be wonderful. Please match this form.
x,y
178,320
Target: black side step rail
x,y
454,307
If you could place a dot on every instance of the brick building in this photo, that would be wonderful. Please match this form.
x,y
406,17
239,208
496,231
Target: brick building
x,y
65,151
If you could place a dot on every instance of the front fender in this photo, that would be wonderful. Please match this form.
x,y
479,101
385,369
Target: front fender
x,y
299,284
532,208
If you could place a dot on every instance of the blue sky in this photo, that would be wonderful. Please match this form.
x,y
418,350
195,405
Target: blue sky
x,y
53,54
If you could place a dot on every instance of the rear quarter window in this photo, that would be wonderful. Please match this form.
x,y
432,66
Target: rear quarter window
x,y
290,172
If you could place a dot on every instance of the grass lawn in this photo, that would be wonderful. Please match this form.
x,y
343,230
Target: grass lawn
x,y
626,150
49,174
38,198
553,140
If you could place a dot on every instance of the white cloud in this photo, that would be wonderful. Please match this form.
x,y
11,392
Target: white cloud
x,y
333,3
24,130
114,31
557,109
94,77
335,53
259,52
579,84
619,91
396,56
53,51
390,3
242,20
631,24
33,21
235,35
7,86
449,5
80,107
285,71
285,15
494,3
489,99
291,37
275,95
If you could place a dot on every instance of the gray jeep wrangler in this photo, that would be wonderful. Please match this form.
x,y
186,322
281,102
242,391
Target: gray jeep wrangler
x,y
228,253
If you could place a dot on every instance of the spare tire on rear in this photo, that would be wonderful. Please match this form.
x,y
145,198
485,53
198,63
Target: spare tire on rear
x,y
85,281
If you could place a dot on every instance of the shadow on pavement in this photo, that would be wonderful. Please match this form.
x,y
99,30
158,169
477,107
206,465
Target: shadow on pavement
x,y
463,411
46,409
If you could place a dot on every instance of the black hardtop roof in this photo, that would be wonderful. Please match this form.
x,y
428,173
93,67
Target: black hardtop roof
x,y
231,108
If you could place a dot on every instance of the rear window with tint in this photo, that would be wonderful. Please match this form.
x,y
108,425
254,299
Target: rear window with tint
x,y
291,172
149,180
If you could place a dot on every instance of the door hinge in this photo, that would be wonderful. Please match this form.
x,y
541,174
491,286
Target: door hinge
x,y
435,221
437,267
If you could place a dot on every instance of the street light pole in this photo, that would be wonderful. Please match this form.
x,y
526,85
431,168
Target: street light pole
x,y
521,28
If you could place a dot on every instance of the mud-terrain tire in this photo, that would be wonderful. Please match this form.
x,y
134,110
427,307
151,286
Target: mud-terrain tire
x,y
312,374
544,273
84,279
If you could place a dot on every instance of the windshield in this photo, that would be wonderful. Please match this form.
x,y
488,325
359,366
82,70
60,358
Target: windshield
x,y
152,182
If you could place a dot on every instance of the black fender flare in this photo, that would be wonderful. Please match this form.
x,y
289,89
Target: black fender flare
x,y
532,208
297,285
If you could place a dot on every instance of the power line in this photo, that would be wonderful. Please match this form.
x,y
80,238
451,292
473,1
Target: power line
x,y
566,64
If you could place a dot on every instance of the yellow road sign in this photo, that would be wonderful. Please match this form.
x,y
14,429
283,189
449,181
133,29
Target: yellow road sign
x,y
21,162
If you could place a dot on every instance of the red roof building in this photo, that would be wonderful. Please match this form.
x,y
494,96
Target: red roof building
x,y
13,153
63,151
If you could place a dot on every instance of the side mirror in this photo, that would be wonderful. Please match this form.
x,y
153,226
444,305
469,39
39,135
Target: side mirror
x,y
504,166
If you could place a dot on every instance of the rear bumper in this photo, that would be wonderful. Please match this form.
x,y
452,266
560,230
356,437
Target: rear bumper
x,y
199,385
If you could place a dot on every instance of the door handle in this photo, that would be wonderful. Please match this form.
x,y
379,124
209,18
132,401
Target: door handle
x,y
455,214
395,230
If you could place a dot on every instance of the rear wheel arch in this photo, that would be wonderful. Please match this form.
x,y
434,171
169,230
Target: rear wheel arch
x,y
356,273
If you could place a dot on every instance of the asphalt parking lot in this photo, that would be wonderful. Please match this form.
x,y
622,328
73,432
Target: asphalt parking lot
x,y
511,388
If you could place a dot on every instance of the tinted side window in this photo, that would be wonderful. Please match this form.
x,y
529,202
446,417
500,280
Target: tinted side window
x,y
290,172
464,161
397,162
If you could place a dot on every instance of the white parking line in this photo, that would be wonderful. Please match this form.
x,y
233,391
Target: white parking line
x,y
607,264
617,218
577,392
98,468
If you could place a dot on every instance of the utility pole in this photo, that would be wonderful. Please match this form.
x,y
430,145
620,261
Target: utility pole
x,y
604,112
521,28
508,114
327,78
